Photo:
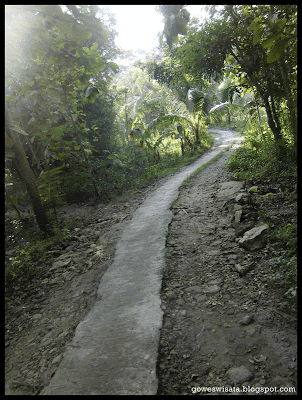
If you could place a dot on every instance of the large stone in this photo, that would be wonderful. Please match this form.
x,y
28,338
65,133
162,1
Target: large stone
x,y
239,374
244,226
228,190
255,238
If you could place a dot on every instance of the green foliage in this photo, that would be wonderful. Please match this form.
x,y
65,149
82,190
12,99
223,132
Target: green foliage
x,y
285,277
58,93
258,159
176,19
286,238
276,32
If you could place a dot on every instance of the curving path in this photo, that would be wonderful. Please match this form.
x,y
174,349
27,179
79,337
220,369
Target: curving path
x,y
114,350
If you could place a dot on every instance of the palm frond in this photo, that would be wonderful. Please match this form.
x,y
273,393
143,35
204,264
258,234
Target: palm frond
x,y
195,99
219,106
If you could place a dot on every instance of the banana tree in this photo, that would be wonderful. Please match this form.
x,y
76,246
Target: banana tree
x,y
188,121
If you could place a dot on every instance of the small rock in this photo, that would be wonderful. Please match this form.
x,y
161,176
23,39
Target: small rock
x,y
36,316
193,289
250,330
183,313
237,216
57,359
260,358
242,269
214,282
201,298
211,289
247,319
60,264
243,198
239,374
63,334
171,295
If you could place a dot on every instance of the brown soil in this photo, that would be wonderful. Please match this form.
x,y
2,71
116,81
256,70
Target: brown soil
x,y
214,319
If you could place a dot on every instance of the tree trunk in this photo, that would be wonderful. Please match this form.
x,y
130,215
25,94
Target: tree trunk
x,y
270,110
28,177
87,162
259,121
290,102
197,134
275,127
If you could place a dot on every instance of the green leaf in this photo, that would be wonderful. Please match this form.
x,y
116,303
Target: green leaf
x,y
255,24
18,129
277,50
279,24
258,35
94,46
268,42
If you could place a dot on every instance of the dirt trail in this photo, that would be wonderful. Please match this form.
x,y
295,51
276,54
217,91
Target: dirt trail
x,y
200,337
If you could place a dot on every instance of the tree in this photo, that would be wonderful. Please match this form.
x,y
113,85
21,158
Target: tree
x,y
176,18
277,33
14,143
51,86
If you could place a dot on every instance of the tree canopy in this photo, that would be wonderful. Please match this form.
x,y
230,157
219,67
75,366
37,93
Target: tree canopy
x,y
258,46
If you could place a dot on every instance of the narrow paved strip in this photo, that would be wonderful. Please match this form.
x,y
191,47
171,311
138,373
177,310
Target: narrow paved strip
x,y
114,350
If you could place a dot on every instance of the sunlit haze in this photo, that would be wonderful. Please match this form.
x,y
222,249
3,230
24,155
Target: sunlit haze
x,y
139,26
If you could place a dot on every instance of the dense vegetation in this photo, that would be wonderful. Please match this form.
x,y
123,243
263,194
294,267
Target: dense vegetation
x,y
78,127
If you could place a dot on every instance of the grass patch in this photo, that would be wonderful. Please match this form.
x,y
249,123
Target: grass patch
x,y
188,180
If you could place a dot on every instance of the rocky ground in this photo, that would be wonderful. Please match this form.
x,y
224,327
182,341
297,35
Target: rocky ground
x,y
222,325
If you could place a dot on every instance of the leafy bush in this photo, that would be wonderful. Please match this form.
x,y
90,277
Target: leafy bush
x,y
258,160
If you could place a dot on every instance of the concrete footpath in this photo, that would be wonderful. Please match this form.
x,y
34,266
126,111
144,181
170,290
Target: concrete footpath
x,y
114,350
